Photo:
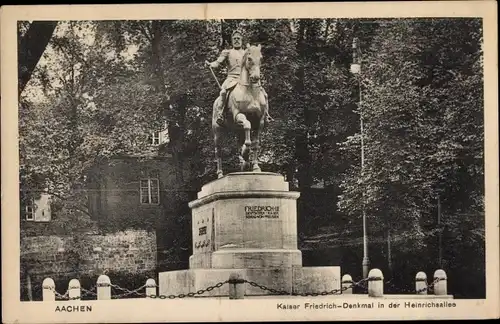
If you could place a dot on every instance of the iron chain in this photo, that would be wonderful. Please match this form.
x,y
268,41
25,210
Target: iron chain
x,y
89,292
65,296
191,294
431,286
323,293
127,292
274,291
61,297
411,291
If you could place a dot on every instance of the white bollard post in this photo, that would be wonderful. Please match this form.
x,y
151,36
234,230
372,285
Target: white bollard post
x,y
74,289
236,286
421,283
49,288
150,288
440,287
346,282
375,283
103,288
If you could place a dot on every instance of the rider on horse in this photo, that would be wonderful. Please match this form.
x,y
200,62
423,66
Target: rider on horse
x,y
233,57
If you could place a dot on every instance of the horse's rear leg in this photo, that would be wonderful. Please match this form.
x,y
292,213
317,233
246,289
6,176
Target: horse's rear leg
x,y
218,153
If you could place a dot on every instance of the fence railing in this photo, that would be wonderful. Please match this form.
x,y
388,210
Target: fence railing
x,y
374,284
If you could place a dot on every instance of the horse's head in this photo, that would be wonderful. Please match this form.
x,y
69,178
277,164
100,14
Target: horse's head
x,y
251,61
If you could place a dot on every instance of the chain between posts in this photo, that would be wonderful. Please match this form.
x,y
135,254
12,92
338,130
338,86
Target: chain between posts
x,y
64,296
254,284
127,292
430,286
191,294
427,287
89,292
323,293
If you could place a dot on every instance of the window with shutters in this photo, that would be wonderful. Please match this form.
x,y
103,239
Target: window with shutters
x,y
39,209
160,136
149,191
155,138
30,211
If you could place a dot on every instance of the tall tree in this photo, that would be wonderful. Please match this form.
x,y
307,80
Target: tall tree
x,y
85,111
422,107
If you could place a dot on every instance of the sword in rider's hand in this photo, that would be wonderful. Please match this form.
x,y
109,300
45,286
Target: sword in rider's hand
x,y
207,63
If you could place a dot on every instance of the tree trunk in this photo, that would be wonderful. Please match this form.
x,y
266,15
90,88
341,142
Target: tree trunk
x,y
175,125
177,138
31,48
440,236
157,74
389,254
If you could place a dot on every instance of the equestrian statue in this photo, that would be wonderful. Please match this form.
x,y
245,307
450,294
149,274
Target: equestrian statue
x,y
244,98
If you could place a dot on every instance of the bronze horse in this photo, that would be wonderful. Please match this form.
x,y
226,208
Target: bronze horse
x,y
247,105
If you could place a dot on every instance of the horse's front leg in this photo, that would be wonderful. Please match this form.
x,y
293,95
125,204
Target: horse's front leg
x,y
242,121
241,143
256,149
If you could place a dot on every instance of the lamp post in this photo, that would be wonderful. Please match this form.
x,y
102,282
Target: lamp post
x,y
440,237
356,70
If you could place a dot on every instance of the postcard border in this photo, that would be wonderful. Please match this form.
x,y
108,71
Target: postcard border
x,y
218,310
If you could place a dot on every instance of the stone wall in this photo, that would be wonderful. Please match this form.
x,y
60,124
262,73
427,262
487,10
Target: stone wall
x,y
131,251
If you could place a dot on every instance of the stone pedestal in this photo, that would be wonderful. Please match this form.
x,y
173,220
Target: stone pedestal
x,y
246,222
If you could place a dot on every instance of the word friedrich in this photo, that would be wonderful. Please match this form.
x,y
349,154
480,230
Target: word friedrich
x,y
262,211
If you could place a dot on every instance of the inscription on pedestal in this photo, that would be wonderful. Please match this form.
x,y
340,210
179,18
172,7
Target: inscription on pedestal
x,y
256,211
202,229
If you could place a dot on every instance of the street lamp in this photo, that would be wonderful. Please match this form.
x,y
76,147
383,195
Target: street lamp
x,y
356,70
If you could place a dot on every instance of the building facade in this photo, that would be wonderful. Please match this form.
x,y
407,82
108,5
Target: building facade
x,y
134,223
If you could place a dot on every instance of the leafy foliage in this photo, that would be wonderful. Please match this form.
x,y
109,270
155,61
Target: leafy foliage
x,y
88,108
423,140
